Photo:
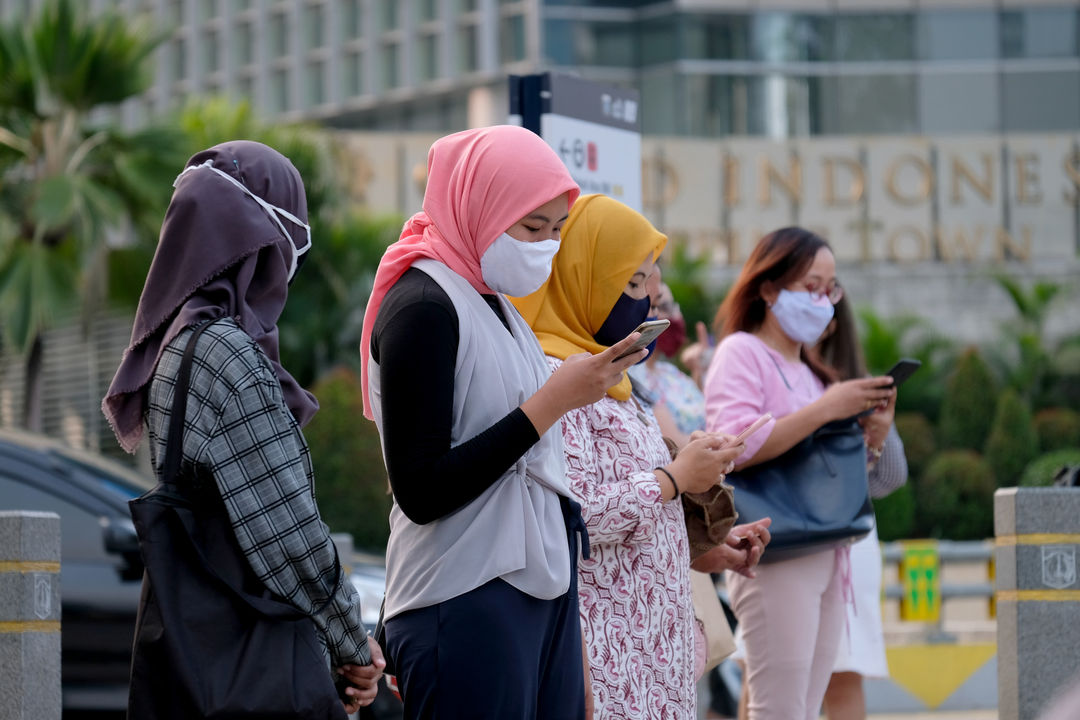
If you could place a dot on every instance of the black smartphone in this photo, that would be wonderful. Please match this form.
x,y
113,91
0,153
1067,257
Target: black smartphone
x,y
902,370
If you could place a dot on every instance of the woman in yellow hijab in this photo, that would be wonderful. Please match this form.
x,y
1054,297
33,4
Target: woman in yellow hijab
x,y
634,591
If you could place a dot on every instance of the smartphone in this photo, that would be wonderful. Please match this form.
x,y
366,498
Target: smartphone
x,y
902,370
650,330
752,428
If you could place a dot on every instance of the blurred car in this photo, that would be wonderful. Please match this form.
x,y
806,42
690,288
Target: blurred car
x,y
101,569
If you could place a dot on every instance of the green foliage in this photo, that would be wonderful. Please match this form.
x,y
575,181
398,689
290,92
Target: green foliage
x,y
685,274
920,444
1012,443
323,319
350,477
886,340
955,497
967,409
1040,471
896,514
1057,428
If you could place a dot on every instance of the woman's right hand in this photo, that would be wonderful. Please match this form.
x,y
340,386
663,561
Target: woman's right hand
x,y
581,380
851,397
703,461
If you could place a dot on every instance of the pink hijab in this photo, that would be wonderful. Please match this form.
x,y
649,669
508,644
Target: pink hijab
x,y
480,182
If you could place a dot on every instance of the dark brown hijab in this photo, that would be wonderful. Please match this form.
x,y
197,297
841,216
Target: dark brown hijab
x,y
219,255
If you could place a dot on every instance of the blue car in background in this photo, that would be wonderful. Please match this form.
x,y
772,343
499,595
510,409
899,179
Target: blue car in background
x,y
101,569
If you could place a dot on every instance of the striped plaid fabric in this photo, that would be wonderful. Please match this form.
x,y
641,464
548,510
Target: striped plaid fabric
x,y
890,471
239,430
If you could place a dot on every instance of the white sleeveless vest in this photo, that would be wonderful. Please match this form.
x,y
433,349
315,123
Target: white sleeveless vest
x,y
515,529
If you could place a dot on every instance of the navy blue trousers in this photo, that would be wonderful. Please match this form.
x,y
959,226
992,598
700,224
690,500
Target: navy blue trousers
x,y
494,652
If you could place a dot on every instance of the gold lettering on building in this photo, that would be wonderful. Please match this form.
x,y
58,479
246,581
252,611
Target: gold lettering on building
x,y
1006,247
957,245
1027,180
984,186
1072,169
856,185
924,188
731,180
790,183
921,244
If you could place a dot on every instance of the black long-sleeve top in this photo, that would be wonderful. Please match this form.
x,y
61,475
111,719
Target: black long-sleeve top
x,y
415,342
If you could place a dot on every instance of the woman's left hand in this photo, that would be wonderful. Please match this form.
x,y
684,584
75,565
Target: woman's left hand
x,y
876,425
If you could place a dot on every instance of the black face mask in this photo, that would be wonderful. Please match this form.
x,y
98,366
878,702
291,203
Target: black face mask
x,y
623,319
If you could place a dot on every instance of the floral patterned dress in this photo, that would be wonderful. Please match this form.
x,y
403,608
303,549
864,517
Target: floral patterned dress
x,y
634,591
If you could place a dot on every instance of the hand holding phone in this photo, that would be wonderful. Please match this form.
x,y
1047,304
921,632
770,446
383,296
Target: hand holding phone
x,y
902,370
751,429
650,330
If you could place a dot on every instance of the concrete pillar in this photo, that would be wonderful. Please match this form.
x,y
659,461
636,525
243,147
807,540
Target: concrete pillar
x,y
29,615
1038,596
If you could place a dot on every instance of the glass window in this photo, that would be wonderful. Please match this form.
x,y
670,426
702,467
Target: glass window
x,y
512,39
314,24
244,44
657,98
389,65
558,42
788,37
315,83
279,35
870,104
279,90
428,57
429,10
245,88
659,41
179,59
959,35
388,15
241,5
467,5
352,20
959,102
884,36
352,76
176,12
211,52
1049,32
715,37
468,52
209,9
1042,101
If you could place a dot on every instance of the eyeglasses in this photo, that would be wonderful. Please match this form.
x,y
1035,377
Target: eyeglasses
x,y
834,292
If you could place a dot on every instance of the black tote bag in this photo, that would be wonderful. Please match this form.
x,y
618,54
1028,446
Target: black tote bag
x,y
816,493
211,641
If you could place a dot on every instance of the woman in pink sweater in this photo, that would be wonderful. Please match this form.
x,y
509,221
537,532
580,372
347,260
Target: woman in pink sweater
x,y
792,613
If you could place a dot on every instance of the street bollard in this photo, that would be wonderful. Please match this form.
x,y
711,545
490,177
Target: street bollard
x,y
29,616
1038,595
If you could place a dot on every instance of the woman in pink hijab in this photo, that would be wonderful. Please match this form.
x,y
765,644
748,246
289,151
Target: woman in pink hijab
x,y
481,611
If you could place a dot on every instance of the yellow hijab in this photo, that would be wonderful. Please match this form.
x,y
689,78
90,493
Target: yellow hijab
x,y
603,243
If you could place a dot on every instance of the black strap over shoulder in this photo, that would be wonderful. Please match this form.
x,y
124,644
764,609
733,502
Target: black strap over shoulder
x,y
174,449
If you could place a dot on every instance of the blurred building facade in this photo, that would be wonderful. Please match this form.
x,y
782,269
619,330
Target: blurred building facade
x,y
705,68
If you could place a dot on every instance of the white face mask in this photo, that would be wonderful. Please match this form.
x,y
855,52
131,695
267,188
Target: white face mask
x,y
517,268
801,317
272,210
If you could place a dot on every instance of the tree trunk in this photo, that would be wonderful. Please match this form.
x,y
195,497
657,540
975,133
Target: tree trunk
x,y
35,360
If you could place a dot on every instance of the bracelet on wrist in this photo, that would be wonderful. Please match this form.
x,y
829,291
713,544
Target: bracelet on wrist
x,y
674,484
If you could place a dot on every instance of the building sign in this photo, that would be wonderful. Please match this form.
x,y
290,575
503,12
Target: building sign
x,y
920,578
594,128
896,200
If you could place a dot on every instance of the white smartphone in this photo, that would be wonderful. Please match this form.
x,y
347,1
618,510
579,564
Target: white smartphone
x,y
752,428
650,330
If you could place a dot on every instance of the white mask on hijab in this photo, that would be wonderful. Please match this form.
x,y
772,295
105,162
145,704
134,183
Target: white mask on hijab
x,y
517,268
272,210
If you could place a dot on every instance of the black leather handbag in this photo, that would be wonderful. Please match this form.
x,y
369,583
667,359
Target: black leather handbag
x,y
210,640
816,493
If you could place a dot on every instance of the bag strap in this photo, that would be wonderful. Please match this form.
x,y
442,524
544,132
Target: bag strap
x,y
782,376
174,449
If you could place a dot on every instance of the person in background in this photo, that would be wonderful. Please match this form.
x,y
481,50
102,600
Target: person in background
x,y
862,649
233,238
643,648
781,303
481,610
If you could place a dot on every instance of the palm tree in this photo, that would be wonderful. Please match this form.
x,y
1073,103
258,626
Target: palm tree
x,y
66,180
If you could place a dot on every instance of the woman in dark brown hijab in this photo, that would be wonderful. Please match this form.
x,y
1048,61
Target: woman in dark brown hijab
x,y
233,237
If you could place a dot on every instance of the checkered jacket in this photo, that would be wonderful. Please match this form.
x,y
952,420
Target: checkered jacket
x,y
240,430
